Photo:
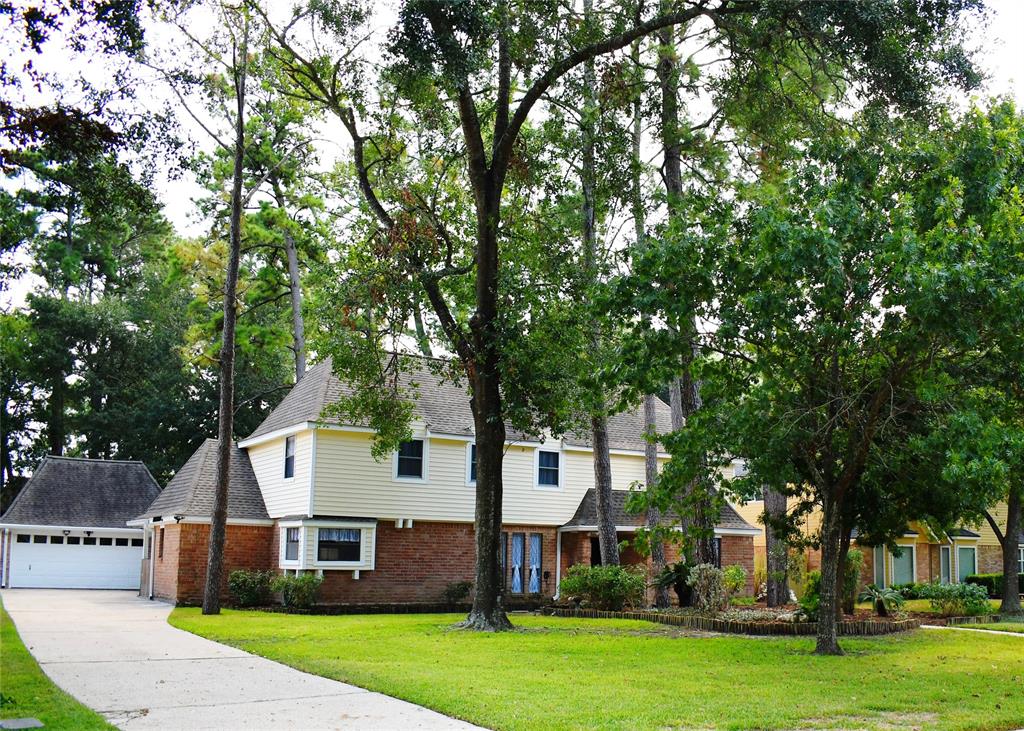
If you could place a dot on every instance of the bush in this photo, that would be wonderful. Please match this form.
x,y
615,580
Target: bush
x,y
456,592
298,591
884,601
810,602
734,578
993,583
674,576
796,571
709,593
912,590
851,579
250,588
956,600
610,588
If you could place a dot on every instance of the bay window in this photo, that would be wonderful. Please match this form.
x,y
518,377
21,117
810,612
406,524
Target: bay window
x,y
339,544
291,544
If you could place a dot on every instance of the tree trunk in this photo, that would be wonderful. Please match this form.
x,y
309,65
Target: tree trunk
x,y
828,639
1011,542
776,549
422,340
225,426
661,597
298,322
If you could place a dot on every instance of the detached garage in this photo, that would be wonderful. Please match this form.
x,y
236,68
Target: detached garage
x,y
67,529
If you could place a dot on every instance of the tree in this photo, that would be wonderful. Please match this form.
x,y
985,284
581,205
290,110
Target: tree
x,y
462,61
776,548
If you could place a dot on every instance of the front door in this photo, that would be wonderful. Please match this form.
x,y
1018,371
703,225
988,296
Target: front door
x,y
595,551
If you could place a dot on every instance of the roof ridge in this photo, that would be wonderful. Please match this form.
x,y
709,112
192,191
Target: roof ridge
x,y
91,459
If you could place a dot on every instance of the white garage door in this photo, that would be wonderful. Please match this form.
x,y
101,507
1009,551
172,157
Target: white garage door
x,y
54,561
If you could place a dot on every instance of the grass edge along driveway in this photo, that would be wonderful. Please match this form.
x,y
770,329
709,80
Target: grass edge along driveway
x,y
27,692
616,674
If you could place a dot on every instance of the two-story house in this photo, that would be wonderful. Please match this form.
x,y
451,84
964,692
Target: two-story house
x,y
307,495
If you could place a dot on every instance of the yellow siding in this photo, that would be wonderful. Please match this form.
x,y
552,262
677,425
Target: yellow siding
x,y
988,536
752,510
349,482
283,496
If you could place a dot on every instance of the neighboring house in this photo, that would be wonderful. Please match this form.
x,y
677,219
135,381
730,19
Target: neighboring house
x,y
924,555
67,526
308,496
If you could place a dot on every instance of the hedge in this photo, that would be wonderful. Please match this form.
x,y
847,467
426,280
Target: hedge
x,y
993,583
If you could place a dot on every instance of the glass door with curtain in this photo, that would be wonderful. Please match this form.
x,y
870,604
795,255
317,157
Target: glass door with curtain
x,y
535,563
516,563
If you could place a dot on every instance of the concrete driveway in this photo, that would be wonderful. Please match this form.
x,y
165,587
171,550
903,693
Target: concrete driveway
x,y
116,653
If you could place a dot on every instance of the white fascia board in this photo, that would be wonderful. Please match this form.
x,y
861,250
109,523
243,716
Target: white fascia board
x,y
76,528
276,434
622,452
206,519
632,529
328,523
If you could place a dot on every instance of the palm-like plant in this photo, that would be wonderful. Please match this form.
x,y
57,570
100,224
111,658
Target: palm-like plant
x,y
884,600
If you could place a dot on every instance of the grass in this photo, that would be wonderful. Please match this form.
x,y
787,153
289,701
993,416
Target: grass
x,y
1014,627
925,606
25,691
615,674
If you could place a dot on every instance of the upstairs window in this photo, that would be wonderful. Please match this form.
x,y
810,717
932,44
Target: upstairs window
x,y
339,544
547,469
291,544
471,465
289,457
409,464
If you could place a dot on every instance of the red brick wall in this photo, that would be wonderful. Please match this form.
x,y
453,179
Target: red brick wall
x,y
416,564
181,574
990,560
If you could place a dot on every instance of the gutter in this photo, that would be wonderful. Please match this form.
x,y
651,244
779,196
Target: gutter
x,y
558,563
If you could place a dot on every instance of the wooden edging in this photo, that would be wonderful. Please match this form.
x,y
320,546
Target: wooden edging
x,y
711,624
978,619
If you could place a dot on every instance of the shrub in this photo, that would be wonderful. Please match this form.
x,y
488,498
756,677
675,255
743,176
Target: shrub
x,y
674,576
851,579
456,592
993,583
885,601
250,588
734,578
709,593
610,588
810,602
955,600
298,591
796,571
912,590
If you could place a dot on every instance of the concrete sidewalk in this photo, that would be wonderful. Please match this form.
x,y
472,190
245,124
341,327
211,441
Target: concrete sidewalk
x,y
116,653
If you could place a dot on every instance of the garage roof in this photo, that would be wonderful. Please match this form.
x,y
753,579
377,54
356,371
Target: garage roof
x,y
87,493
190,492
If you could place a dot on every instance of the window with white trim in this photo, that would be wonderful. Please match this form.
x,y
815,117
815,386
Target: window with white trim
x,y
291,544
471,463
878,561
945,565
548,468
289,457
409,461
339,544
1020,560
903,565
966,562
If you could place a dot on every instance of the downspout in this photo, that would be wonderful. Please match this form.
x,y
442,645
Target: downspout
x,y
558,563
3,557
152,561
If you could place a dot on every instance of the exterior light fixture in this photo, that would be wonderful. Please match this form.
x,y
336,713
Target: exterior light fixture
x,y
66,532
178,518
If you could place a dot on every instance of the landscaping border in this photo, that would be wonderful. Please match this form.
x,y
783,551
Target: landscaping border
x,y
710,624
977,619
385,608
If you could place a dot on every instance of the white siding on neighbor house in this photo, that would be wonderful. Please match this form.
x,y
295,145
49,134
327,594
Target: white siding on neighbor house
x,y
349,482
284,496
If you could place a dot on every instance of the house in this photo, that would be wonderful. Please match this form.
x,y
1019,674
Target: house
x,y
67,527
307,495
925,555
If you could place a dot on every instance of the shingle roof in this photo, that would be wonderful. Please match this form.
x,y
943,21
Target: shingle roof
x,y
442,405
586,514
963,533
190,492
83,492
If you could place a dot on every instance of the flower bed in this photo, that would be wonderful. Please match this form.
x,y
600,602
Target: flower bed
x,y
745,627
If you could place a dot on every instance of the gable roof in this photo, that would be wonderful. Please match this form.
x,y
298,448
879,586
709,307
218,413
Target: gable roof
x,y
440,403
87,493
190,492
586,514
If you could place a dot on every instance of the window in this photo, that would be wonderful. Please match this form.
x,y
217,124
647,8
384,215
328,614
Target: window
x,y
39,539
878,559
120,541
160,548
409,461
535,563
137,543
547,469
89,541
74,540
471,464
291,544
965,562
24,538
106,541
518,544
903,566
289,457
1020,560
339,544
56,539
945,567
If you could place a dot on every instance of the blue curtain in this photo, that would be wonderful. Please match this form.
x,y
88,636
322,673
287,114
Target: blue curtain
x,y
517,563
535,563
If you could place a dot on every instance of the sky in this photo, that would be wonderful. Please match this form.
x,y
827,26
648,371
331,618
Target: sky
x,y
1000,53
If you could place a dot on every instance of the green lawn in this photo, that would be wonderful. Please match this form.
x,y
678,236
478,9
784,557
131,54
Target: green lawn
x,y
25,691
613,674
1015,627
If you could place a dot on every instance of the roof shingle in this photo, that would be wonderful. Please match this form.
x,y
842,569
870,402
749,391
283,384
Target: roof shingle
x,y
90,493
